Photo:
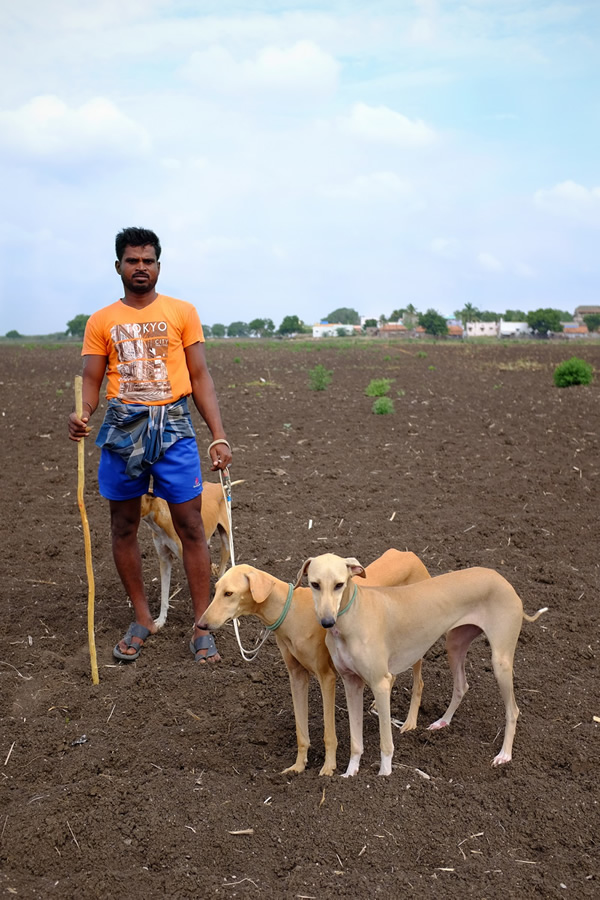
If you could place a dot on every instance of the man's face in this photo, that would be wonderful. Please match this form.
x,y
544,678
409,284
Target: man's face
x,y
139,269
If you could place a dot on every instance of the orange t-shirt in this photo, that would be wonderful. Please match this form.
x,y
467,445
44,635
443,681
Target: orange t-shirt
x,y
145,349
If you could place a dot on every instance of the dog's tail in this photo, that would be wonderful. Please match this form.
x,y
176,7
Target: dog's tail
x,y
536,615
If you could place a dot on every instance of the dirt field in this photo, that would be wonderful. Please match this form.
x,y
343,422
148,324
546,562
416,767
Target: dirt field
x,y
137,787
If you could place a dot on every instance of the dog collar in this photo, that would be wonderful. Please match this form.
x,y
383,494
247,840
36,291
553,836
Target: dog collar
x,y
284,612
349,603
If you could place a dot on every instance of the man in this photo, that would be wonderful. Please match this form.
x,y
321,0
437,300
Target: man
x,y
151,347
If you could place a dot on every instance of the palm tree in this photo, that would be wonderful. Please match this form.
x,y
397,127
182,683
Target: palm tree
x,y
411,316
468,313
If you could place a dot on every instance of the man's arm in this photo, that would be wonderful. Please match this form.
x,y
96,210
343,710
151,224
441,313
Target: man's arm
x,y
94,368
205,398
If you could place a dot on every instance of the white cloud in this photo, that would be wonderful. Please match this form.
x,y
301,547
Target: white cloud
x,y
302,67
571,201
46,129
489,262
384,125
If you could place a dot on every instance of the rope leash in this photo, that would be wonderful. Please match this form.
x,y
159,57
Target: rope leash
x,y
251,654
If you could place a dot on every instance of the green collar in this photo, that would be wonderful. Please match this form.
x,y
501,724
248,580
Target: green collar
x,y
349,603
284,612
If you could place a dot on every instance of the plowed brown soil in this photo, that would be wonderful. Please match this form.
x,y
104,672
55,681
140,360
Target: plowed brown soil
x,y
164,780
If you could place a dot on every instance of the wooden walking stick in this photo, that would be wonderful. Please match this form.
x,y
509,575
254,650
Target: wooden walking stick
x,y
86,532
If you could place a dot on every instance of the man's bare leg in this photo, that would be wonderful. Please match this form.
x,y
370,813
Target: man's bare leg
x,y
124,523
187,519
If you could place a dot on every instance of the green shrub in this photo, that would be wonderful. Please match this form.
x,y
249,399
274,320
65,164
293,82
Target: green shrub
x,y
319,378
378,387
573,371
421,354
383,406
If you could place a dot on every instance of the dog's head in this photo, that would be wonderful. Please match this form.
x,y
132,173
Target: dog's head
x,y
237,593
329,579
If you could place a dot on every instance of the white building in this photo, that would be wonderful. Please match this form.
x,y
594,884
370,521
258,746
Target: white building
x,y
330,329
483,329
514,329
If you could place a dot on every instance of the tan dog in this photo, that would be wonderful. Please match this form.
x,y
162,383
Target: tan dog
x,y
244,590
155,513
372,633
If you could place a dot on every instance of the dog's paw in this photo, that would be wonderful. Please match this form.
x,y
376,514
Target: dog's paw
x,y
352,769
404,726
439,723
501,759
297,768
385,767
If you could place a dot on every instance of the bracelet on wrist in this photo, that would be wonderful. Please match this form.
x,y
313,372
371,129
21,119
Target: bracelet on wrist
x,y
219,441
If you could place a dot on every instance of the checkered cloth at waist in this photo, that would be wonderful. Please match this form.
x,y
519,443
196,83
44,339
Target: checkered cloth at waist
x,y
142,434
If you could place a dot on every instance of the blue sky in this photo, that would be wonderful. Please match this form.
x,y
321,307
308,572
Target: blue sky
x,y
297,157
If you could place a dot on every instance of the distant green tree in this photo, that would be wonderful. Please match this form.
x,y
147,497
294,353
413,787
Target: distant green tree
x,y
13,334
487,316
261,327
291,325
207,331
565,316
543,321
396,315
382,319
433,323
370,323
592,320
219,330
238,329
344,316
515,315
76,326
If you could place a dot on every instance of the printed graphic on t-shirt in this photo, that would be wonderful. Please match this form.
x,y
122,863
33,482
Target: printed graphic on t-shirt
x,y
142,353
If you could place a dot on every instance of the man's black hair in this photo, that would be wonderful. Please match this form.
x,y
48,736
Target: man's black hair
x,y
136,237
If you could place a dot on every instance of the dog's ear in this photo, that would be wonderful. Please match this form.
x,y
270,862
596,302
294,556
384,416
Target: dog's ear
x,y
355,567
302,571
261,585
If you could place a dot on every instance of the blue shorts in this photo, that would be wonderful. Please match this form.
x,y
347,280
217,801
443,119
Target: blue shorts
x,y
176,476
